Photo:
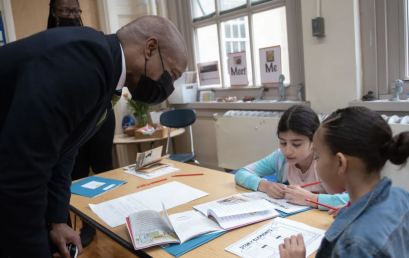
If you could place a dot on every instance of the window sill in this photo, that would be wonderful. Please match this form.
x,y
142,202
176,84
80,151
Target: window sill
x,y
397,106
204,88
262,105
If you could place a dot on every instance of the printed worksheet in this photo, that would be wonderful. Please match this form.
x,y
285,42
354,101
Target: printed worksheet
x,y
279,204
264,242
237,211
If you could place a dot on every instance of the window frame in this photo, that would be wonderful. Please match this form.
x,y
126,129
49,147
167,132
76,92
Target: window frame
x,y
294,37
385,51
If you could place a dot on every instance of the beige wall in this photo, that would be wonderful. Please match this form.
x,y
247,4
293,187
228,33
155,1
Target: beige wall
x,y
330,62
30,16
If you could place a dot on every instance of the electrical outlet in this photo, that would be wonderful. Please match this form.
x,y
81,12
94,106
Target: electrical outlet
x,y
318,28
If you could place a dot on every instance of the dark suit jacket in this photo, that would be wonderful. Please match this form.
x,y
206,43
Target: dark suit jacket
x,y
54,88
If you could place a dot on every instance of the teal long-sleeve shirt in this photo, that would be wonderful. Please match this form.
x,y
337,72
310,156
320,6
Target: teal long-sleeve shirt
x,y
251,175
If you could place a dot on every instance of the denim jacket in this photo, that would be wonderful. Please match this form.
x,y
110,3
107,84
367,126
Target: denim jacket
x,y
377,225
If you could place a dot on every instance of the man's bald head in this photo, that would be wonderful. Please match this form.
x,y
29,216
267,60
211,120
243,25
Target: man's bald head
x,y
142,39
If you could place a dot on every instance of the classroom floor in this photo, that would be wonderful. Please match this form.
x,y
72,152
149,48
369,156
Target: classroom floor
x,y
102,246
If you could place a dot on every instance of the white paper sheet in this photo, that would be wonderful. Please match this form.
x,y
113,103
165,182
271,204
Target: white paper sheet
x,y
264,242
226,209
243,218
154,174
190,224
279,204
172,194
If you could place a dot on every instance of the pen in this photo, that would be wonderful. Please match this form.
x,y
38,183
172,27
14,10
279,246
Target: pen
x,y
316,183
329,207
201,174
152,182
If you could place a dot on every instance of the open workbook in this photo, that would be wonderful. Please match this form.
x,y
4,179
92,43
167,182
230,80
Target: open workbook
x,y
148,228
237,211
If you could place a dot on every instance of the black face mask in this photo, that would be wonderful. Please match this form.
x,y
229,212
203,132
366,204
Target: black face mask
x,y
68,22
150,92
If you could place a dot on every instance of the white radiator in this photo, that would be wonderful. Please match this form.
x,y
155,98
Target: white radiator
x,y
251,136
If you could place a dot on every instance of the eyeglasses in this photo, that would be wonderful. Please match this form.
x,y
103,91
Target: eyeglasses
x,y
67,12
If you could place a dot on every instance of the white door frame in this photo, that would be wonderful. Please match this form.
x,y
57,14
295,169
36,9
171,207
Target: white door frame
x,y
7,14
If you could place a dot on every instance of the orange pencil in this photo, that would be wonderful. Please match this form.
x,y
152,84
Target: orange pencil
x,y
316,183
152,182
329,207
201,174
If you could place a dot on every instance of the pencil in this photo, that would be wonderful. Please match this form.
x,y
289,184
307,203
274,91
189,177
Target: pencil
x,y
316,183
329,207
152,182
201,174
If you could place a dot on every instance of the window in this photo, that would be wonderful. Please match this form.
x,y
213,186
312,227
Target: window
x,y
221,27
385,46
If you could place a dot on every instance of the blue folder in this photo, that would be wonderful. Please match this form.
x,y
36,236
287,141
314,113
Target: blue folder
x,y
180,249
93,186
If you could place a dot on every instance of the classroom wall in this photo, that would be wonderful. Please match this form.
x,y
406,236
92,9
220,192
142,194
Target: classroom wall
x,y
330,62
30,16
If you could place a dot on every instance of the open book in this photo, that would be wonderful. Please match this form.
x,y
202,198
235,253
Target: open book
x,y
149,161
237,211
148,228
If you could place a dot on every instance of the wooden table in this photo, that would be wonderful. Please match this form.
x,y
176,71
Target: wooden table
x,y
125,139
217,184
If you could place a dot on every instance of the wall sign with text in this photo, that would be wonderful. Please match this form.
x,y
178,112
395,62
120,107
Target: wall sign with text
x,y
270,64
208,73
237,65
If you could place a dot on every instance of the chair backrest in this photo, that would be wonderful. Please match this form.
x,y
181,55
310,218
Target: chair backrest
x,y
178,118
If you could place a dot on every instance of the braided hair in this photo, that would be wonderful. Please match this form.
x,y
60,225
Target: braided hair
x,y
52,23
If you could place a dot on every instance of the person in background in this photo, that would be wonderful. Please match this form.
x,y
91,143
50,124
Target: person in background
x,y
97,151
293,163
352,146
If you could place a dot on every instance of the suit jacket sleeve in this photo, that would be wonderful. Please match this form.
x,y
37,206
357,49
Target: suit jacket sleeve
x,y
53,94
59,192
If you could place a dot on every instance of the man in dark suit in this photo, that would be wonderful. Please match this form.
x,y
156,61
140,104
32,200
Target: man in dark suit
x,y
56,88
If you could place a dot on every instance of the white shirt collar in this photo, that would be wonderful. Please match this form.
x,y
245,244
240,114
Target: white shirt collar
x,y
123,74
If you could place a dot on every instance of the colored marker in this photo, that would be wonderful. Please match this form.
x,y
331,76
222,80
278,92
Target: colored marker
x,y
316,183
329,207
152,182
201,174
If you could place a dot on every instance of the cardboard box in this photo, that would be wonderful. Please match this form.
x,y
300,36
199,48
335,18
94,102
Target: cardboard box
x,y
157,134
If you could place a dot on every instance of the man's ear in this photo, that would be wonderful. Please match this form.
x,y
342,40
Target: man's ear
x,y
150,47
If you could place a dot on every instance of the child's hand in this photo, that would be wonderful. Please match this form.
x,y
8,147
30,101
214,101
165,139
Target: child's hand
x,y
297,195
293,248
334,212
273,190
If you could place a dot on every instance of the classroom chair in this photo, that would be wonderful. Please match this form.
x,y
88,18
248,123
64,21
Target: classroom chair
x,y
270,178
178,118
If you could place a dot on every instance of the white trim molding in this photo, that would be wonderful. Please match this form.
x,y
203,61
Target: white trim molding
x,y
8,21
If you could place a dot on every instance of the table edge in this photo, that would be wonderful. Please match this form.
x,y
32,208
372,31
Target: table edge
x,y
109,233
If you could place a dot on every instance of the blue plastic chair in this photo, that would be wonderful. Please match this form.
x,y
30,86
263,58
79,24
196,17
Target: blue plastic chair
x,y
270,178
178,118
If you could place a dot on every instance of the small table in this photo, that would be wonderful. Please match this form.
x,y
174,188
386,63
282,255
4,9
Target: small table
x,y
125,139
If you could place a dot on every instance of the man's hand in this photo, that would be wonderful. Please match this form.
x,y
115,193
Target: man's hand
x,y
334,212
62,235
297,195
273,190
293,248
